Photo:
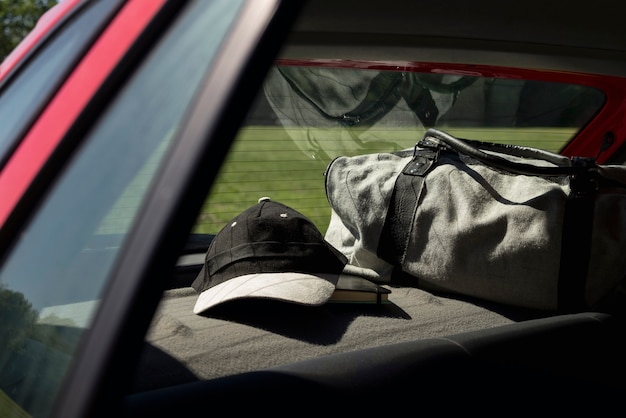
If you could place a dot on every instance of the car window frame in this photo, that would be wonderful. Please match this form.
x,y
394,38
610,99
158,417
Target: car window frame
x,y
73,109
56,132
112,345
59,74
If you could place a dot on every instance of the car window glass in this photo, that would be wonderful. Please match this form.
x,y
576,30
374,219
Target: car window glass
x,y
21,98
53,277
306,115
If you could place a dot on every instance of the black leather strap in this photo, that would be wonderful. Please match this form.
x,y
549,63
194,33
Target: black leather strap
x,y
398,225
470,149
576,243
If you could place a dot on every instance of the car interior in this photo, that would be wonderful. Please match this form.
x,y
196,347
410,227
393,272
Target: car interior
x,y
448,352
351,79
425,343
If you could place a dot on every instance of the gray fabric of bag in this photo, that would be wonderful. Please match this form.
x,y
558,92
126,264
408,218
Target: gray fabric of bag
x,y
469,228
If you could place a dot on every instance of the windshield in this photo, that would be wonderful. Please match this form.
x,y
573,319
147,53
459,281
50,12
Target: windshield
x,y
51,281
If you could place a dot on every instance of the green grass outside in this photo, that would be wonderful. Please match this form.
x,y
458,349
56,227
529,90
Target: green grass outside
x,y
265,162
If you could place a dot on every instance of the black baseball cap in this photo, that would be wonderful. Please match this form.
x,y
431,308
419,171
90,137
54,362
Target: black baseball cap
x,y
269,251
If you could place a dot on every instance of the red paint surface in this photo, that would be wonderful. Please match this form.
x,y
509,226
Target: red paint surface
x,y
71,99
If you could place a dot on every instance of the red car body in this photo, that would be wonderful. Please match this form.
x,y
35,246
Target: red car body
x,y
36,147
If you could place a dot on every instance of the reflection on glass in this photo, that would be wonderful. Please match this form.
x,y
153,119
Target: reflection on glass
x,y
52,280
308,114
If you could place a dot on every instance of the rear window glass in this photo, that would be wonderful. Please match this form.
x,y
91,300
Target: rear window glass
x,y
307,115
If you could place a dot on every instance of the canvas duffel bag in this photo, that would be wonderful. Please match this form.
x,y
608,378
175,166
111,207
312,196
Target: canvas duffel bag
x,y
508,224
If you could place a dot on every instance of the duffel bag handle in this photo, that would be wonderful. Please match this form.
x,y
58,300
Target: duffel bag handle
x,y
575,166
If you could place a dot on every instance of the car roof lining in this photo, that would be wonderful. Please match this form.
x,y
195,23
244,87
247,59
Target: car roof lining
x,y
528,34
530,22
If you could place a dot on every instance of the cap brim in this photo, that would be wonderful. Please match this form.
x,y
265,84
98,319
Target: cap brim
x,y
300,288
